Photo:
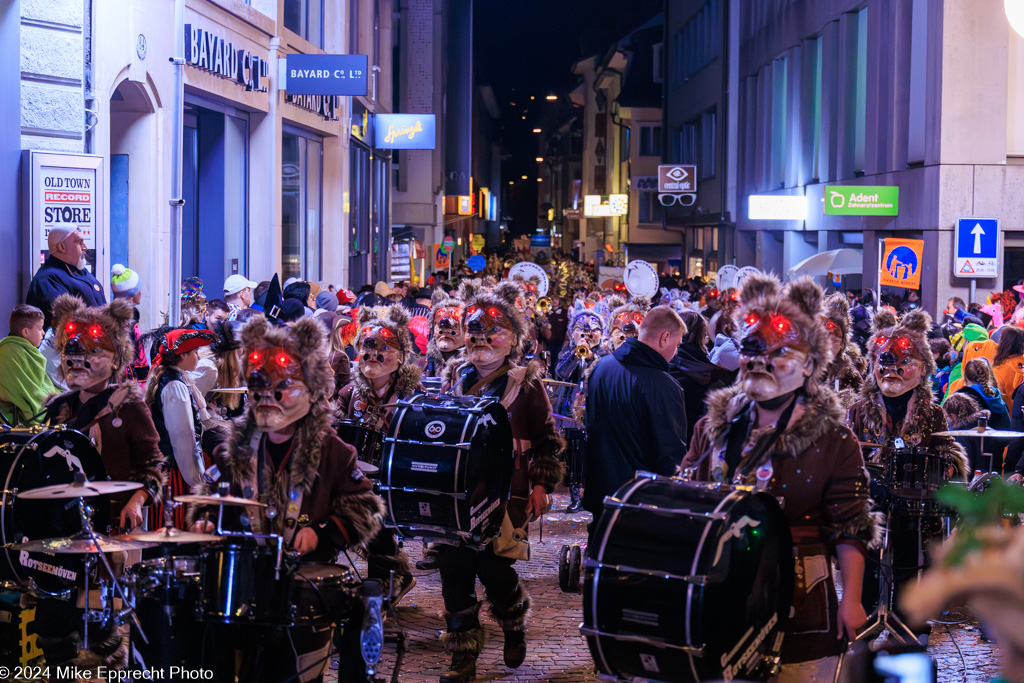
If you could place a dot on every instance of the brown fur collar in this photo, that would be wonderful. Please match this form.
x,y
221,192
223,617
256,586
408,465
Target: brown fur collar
x,y
405,384
519,376
125,392
814,416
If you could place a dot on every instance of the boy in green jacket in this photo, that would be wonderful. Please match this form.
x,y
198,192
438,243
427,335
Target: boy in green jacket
x,y
24,384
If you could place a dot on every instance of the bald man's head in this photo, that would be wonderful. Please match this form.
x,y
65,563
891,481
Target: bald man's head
x,y
662,330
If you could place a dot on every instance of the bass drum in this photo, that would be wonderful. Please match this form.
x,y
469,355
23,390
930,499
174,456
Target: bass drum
x,y
447,467
30,459
687,582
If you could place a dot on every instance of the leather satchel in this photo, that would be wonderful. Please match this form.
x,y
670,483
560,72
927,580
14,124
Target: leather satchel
x,y
511,542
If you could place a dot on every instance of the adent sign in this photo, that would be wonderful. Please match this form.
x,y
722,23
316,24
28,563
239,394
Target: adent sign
x,y
862,200
326,75
404,131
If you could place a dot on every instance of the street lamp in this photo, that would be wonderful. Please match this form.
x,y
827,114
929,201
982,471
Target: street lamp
x,y
1015,13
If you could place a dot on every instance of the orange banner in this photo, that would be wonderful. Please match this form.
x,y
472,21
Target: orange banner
x,y
441,259
901,263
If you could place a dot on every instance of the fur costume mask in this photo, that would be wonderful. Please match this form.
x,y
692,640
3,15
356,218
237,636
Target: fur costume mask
x,y
898,351
837,321
287,371
784,344
625,321
94,342
495,327
384,340
446,333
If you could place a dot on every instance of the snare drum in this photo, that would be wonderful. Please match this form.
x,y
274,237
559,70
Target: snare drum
x,y
33,458
367,441
687,582
914,472
447,467
166,591
323,593
242,583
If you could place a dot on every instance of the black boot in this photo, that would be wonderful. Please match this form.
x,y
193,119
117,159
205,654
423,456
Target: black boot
x,y
512,619
515,648
462,668
576,501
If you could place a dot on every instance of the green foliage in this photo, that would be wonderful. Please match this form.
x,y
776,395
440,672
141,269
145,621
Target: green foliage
x,y
977,510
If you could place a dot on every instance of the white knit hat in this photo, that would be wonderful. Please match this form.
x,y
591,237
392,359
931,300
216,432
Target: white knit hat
x,y
124,282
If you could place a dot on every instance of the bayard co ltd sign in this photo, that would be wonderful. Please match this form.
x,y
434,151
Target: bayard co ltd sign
x,y
208,51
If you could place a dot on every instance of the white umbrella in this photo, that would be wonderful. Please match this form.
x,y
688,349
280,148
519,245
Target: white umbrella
x,y
837,262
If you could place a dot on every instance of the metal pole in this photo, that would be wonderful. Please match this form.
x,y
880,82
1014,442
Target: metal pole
x,y
176,202
878,290
974,288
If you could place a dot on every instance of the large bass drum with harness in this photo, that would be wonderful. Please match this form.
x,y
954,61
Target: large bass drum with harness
x,y
447,467
31,458
687,582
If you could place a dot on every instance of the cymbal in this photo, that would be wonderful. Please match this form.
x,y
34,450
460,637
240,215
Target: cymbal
x,y
557,383
366,467
82,544
988,432
865,444
229,390
83,490
215,499
169,535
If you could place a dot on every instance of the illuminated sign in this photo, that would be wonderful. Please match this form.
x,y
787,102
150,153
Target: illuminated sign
x,y
862,200
600,206
774,207
325,74
404,131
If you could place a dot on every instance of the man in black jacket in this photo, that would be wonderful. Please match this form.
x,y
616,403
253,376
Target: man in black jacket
x,y
635,417
64,272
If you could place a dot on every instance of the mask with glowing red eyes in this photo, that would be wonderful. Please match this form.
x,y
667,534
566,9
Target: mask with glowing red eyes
x,y
87,354
773,356
836,337
379,352
625,326
448,334
898,366
489,335
277,390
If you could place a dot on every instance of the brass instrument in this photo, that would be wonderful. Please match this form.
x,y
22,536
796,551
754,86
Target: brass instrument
x,y
583,352
543,305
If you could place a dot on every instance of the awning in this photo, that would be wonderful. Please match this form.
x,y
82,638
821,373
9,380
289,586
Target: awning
x,y
652,252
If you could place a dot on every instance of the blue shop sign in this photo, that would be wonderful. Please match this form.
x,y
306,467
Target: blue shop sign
x,y
404,131
326,75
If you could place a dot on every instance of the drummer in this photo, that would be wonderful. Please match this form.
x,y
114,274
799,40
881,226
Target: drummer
x,y
284,452
492,366
95,346
897,410
781,430
385,373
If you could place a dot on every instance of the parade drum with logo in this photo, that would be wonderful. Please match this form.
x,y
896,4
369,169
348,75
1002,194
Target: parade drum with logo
x,y
914,472
447,467
29,459
687,582
367,441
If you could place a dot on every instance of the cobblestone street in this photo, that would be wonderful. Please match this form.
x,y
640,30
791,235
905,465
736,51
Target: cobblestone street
x,y
558,654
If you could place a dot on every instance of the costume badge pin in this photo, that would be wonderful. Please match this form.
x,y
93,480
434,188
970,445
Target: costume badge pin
x,y
765,472
899,443
116,422
916,439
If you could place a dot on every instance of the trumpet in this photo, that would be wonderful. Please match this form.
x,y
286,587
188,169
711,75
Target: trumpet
x,y
543,305
583,352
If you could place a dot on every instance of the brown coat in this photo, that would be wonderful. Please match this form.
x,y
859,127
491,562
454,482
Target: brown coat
x,y
130,450
537,444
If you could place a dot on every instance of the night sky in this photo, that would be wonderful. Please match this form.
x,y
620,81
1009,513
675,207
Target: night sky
x,y
527,47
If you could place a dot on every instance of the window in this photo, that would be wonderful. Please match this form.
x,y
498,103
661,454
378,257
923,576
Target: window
x,y
306,18
650,141
779,121
816,168
301,214
707,144
684,146
918,104
353,27
860,101
697,42
649,209
659,63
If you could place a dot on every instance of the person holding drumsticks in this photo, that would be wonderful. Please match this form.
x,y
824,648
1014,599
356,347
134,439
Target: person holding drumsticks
x,y
780,429
492,366
283,451
385,372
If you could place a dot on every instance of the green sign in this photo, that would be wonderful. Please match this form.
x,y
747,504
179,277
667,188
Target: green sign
x,y
862,200
448,245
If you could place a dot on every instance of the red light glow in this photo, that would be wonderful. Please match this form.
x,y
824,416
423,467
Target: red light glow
x,y
71,327
255,358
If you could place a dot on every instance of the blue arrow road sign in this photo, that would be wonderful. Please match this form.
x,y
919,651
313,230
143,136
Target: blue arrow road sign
x,y
976,247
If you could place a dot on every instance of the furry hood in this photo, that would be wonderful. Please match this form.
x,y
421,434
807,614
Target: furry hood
x,y
639,304
837,311
800,302
306,340
438,300
116,318
394,318
503,296
914,325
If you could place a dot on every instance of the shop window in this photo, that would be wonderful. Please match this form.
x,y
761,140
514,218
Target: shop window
x,y
306,18
301,214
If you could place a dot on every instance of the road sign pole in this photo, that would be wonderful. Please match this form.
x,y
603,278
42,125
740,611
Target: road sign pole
x,y
878,292
974,287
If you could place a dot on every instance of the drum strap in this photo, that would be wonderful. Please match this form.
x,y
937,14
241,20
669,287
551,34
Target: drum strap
x,y
484,381
762,451
294,505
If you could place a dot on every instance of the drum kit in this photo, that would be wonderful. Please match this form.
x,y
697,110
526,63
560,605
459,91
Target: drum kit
x,y
55,482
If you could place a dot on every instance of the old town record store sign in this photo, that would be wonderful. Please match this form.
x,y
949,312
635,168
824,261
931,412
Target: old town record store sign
x,y
207,51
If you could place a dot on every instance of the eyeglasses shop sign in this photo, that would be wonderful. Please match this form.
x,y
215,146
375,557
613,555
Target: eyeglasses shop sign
x,y
404,131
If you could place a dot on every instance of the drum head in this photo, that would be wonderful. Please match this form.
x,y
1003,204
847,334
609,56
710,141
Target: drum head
x,y
32,460
641,278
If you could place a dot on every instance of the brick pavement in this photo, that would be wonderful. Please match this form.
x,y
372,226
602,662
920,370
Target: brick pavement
x,y
558,654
